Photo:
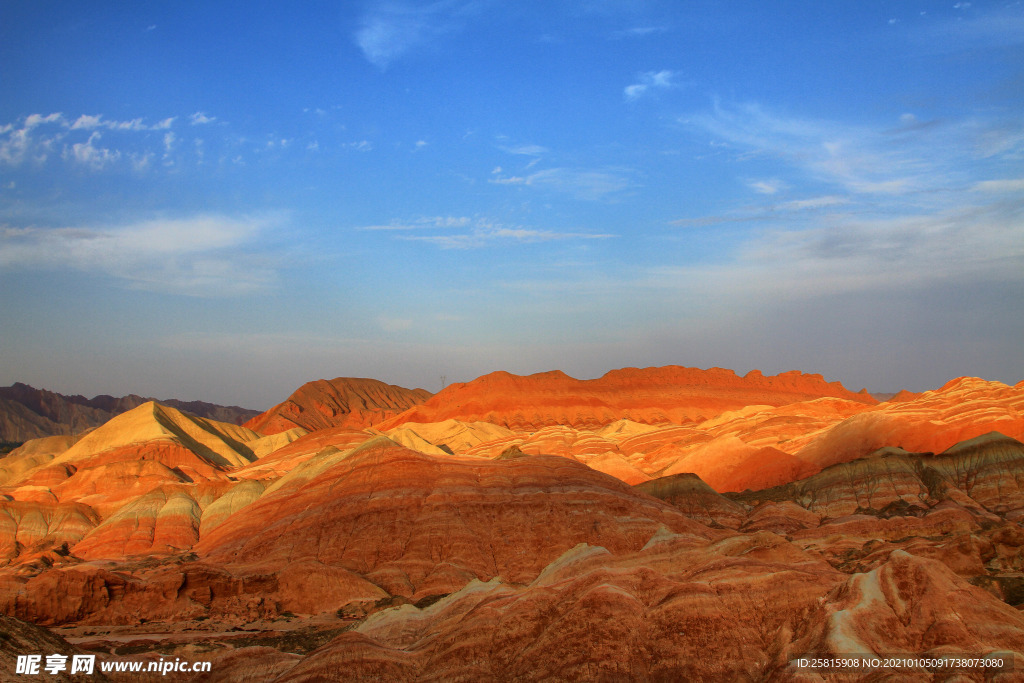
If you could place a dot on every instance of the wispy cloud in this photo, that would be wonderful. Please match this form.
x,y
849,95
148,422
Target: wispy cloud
x,y
462,232
905,211
583,184
640,31
525,150
648,82
390,30
1007,185
766,186
206,255
792,210
860,159
423,223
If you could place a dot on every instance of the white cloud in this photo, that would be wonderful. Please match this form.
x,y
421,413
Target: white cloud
x,y
142,162
86,121
39,136
24,144
204,255
390,30
169,140
200,118
89,154
90,122
34,120
651,80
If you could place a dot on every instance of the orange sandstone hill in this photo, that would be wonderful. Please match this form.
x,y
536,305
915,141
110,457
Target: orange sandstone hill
x,y
353,402
650,395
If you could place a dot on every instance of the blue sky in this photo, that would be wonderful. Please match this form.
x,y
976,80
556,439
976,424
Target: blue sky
x,y
221,201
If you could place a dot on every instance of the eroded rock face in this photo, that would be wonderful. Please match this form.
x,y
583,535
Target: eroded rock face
x,y
674,613
349,402
983,473
418,525
910,604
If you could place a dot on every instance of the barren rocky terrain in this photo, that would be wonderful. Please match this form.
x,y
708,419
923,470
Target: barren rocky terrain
x,y
654,524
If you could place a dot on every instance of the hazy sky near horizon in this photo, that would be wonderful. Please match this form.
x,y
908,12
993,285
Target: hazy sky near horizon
x,y
221,201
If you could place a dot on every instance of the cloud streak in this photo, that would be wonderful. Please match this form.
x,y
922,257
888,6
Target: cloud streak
x,y
585,184
205,255
462,232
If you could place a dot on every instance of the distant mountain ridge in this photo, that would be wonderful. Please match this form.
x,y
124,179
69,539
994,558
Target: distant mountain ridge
x,y
667,394
30,413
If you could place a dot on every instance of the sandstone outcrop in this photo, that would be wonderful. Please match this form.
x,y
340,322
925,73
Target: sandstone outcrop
x,y
340,402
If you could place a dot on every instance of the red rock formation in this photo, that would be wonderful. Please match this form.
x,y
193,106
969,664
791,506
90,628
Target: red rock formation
x,y
670,611
909,605
514,558
418,525
962,409
345,527
349,402
651,396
